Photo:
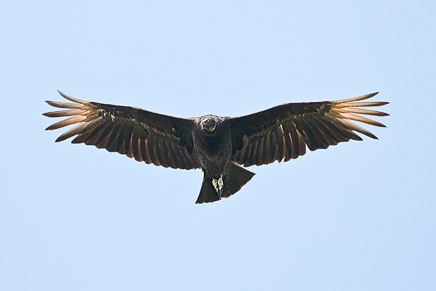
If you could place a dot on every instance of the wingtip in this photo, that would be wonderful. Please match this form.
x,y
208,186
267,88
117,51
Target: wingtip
x,y
71,98
367,96
371,135
59,139
370,95
66,96
50,127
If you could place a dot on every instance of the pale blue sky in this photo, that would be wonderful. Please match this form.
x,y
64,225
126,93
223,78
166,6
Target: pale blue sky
x,y
358,216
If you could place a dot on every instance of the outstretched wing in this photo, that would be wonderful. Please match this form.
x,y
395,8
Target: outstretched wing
x,y
146,136
282,132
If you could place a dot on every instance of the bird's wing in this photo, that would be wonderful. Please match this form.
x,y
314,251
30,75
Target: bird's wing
x,y
146,136
282,132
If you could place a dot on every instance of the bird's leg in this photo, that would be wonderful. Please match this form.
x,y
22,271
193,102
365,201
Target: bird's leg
x,y
218,185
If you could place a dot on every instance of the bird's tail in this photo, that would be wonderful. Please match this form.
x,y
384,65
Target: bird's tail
x,y
214,189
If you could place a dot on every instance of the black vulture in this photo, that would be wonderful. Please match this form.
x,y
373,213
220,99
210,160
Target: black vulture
x,y
217,145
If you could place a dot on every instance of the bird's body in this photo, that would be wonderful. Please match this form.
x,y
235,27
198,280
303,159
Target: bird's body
x,y
212,145
215,144
212,141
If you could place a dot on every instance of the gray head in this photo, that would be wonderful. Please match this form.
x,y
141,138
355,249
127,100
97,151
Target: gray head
x,y
209,122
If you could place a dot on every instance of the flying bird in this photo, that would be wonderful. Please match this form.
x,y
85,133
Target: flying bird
x,y
220,146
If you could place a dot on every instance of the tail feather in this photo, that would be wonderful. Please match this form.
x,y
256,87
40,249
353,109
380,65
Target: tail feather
x,y
207,192
231,183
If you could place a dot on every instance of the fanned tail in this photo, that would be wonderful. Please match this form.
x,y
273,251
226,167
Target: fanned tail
x,y
214,189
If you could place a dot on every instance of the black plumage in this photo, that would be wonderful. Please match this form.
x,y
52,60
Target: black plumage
x,y
217,145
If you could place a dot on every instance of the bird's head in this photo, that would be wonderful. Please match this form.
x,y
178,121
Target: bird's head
x,y
209,123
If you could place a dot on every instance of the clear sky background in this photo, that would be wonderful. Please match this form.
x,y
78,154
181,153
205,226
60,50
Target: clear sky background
x,y
358,216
